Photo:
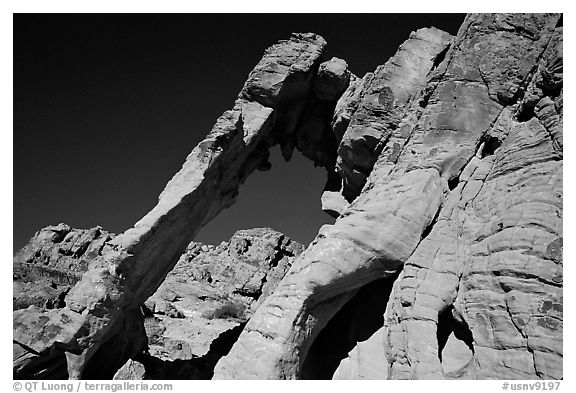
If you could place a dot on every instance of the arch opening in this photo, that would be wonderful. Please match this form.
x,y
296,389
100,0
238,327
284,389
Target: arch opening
x,y
355,322
286,198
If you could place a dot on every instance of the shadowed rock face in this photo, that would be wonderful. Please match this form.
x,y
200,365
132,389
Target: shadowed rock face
x,y
445,175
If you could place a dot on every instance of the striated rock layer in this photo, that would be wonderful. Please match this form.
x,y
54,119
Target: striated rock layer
x,y
464,200
444,171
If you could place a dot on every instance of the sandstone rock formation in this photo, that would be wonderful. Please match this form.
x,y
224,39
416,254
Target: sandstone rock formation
x,y
444,171
132,266
190,321
447,205
47,267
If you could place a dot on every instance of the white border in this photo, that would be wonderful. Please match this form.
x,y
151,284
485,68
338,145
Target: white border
x,y
356,6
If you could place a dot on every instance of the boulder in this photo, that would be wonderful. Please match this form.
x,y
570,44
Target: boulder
x,y
331,80
132,370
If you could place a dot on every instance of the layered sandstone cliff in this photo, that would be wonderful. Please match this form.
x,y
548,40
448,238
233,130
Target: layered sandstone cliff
x,y
444,170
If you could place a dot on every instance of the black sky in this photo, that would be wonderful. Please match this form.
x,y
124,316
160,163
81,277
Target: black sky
x,y
107,107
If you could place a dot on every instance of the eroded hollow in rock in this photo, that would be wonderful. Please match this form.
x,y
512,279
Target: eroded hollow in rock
x,y
491,143
455,341
286,198
453,183
356,321
525,112
440,58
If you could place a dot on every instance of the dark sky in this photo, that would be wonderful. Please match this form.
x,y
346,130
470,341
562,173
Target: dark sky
x,y
107,107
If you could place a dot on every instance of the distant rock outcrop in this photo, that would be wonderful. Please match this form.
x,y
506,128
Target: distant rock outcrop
x,y
198,312
52,262
191,320
444,171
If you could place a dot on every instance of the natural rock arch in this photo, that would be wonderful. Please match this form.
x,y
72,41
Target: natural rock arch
x,y
412,195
